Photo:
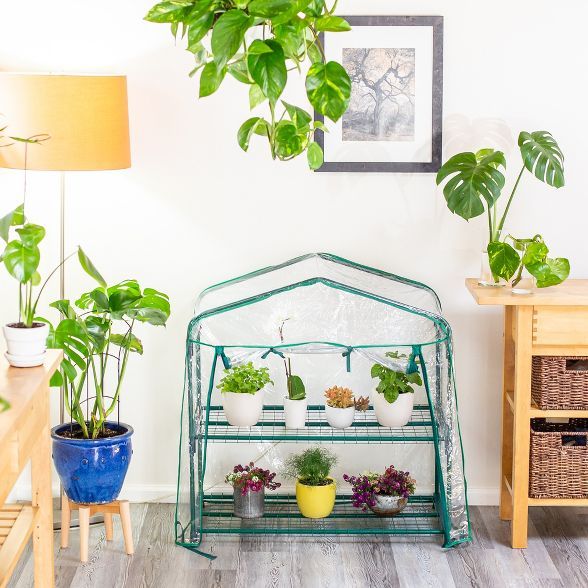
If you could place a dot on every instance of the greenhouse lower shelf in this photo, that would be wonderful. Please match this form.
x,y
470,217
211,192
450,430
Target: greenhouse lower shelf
x,y
282,516
365,428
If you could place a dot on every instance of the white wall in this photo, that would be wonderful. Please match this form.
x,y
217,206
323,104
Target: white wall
x,y
194,209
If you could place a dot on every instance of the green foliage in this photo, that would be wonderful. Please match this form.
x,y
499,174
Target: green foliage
x,y
290,36
88,336
244,379
312,467
296,389
392,382
543,157
4,404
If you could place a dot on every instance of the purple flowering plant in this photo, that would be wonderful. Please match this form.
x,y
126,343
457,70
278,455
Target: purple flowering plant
x,y
250,478
367,486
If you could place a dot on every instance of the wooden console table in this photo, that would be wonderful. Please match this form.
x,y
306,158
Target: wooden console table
x,y
24,436
550,321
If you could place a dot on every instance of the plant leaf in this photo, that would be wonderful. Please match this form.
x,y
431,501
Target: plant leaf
x,y
551,272
267,66
296,389
246,130
197,30
256,96
504,259
474,176
211,78
333,24
270,8
90,268
128,341
239,71
298,116
21,261
315,156
228,34
13,219
543,157
289,142
171,11
328,88
31,235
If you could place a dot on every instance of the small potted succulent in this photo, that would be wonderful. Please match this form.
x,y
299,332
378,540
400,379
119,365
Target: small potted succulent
x,y
243,390
249,483
315,490
384,494
339,407
295,401
394,397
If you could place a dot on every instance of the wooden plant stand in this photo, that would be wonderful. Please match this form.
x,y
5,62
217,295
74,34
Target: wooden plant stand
x,y
550,321
24,437
85,511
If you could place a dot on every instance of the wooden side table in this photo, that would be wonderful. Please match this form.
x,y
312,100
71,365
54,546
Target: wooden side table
x,y
550,321
24,436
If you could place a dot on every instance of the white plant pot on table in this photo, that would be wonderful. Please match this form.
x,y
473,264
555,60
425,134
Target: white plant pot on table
x,y
395,414
243,410
295,413
25,347
340,418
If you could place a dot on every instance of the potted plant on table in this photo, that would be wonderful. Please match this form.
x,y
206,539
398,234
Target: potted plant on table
x,y
243,391
249,483
394,397
474,185
97,336
295,402
315,490
384,494
339,407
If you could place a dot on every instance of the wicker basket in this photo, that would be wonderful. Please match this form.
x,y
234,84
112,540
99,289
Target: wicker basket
x,y
556,469
560,383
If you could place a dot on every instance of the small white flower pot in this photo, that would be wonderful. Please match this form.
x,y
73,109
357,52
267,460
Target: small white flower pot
x,y
243,410
339,418
26,347
395,414
295,413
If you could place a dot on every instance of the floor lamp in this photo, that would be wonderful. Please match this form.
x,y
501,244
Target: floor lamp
x,y
86,118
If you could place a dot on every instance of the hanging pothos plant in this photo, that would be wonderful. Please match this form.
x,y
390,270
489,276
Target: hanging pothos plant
x,y
258,42
474,185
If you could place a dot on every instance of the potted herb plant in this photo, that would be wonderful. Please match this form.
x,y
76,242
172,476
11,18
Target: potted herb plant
x,y
474,185
249,483
242,391
384,494
315,490
97,336
394,397
339,407
295,401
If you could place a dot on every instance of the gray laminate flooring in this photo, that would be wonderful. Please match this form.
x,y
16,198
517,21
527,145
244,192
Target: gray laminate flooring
x,y
557,556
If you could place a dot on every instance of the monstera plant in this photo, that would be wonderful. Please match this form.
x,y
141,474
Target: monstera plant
x,y
474,185
258,42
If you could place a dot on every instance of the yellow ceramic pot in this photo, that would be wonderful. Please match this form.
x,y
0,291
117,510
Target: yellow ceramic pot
x,y
316,502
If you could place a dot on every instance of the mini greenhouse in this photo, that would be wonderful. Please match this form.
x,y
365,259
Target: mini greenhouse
x,y
338,318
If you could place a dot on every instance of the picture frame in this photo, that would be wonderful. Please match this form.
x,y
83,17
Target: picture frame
x,y
394,120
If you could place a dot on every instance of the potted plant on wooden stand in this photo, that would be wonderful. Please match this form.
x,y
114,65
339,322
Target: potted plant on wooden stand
x,y
92,453
249,483
243,391
315,490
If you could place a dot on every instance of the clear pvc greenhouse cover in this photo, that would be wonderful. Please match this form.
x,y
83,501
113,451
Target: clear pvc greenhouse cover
x,y
338,319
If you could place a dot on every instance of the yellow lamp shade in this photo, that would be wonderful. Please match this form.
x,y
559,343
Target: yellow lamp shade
x,y
85,117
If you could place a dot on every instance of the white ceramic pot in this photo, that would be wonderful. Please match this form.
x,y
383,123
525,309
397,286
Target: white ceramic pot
x,y
243,410
339,418
395,414
26,347
295,413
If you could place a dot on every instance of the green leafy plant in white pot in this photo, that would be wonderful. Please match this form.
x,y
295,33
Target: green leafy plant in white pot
x,y
394,395
242,389
295,402
473,186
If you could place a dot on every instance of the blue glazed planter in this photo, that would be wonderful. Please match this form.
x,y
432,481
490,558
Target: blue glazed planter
x,y
92,471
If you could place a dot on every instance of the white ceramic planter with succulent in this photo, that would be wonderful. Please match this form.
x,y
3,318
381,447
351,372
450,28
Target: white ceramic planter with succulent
x,y
339,407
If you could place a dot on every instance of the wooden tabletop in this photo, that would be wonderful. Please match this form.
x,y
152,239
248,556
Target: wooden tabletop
x,y
570,293
19,385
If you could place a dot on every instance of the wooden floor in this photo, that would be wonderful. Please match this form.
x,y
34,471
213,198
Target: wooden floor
x,y
558,558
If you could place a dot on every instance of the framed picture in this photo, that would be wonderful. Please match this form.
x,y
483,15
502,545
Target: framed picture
x,y
393,123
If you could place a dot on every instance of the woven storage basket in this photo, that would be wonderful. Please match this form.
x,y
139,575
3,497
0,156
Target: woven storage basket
x,y
556,385
556,470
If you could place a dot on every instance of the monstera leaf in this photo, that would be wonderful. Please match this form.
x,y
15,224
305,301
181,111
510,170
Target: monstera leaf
x,y
543,157
474,177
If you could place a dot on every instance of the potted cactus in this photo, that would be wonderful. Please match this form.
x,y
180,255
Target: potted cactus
x,y
243,390
315,489
394,397
339,407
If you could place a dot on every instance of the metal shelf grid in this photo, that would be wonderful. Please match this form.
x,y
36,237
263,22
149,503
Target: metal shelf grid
x,y
282,516
365,428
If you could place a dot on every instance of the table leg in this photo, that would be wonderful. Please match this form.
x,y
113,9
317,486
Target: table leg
x,y
505,509
42,499
521,436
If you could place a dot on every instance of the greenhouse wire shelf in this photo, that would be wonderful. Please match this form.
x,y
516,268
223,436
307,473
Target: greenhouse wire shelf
x,y
365,428
283,517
